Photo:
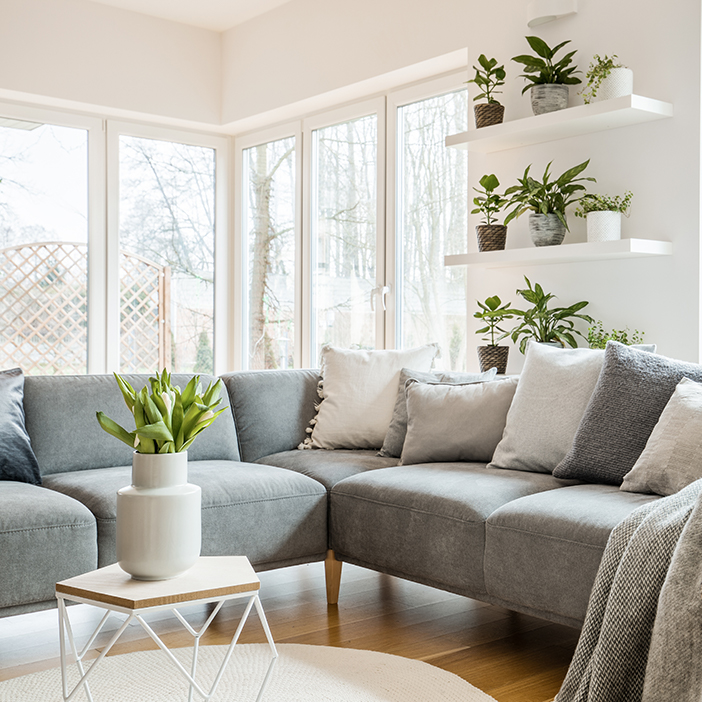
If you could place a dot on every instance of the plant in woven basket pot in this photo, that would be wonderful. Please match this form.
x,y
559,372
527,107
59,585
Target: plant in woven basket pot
x,y
543,324
607,79
604,215
547,79
158,515
489,203
493,313
488,77
546,200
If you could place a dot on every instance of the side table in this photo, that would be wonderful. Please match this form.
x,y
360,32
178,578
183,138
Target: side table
x,y
211,579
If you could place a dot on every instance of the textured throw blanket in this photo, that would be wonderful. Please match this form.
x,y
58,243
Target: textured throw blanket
x,y
642,636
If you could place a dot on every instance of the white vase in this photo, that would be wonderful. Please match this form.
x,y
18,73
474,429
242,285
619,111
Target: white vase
x,y
604,226
618,83
158,518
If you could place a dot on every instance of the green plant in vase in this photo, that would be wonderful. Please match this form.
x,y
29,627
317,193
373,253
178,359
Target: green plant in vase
x,y
493,312
597,337
489,203
488,77
604,215
606,78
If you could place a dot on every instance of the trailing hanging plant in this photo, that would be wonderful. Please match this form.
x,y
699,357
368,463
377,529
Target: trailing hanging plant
x,y
599,69
597,337
604,203
493,313
488,203
488,77
541,69
166,419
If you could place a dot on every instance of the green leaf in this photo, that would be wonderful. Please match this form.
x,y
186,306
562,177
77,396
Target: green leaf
x,y
128,392
540,47
115,429
490,182
158,431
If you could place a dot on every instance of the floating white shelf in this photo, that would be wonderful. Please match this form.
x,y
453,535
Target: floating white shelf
x,y
574,121
565,253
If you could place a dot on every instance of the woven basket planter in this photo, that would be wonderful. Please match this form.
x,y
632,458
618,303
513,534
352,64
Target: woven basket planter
x,y
493,357
491,237
488,113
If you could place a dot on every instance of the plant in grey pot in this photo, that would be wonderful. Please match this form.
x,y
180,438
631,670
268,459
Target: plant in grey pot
x,y
604,215
607,79
546,200
493,313
543,324
488,77
547,80
491,235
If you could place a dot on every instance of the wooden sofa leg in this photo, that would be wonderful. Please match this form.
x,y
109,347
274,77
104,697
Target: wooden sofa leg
x,y
332,576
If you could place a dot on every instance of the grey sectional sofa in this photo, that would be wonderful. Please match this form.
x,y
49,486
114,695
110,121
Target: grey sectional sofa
x,y
526,541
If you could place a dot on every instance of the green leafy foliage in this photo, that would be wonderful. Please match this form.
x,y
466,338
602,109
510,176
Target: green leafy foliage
x,y
488,77
488,203
493,313
597,337
549,195
166,420
542,323
604,203
541,69
598,70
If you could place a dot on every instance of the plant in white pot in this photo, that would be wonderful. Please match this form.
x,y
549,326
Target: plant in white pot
x,y
488,77
604,215
491,235
158,515
546,200
547,79
493,313
607,79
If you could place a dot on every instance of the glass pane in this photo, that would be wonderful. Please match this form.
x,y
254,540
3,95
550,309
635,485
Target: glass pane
x,y
432,222
166,229
269,223
344,172
43,247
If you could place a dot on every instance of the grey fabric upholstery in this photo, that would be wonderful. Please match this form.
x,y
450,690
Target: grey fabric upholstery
x,y
329,467
44,537
268,514
425,522
60,419
271,409
543,551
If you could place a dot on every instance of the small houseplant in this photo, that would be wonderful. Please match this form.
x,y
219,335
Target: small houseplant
x,y
543,324
547,78
488,77
597,337
493,313
604,215
491,235
607,79
546,200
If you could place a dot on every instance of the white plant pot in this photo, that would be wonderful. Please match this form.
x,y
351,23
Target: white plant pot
x,y
618,83
604,226
158,518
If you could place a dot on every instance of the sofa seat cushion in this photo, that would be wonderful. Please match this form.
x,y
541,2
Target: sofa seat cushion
x,y
329,467
425,522
44,537
542,551
271,515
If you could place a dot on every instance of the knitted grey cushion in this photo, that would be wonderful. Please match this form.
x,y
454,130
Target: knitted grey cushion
x,y
631,393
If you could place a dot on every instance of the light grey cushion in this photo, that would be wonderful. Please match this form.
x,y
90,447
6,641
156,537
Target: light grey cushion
x,y
554,389
455,422
633,389
60,418
672,458
395,438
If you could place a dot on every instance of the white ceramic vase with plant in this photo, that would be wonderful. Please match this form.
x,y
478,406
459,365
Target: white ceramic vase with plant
x,y
159,514
607,79
604,215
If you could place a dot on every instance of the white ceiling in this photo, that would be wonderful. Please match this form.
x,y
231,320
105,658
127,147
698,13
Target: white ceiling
x,y
217,15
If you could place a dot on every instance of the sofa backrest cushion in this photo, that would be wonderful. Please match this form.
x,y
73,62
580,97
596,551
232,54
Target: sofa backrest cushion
x,y
60,419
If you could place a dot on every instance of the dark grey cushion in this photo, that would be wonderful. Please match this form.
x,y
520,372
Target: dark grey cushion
x,y
543,551
395,437
273,516
631,393
17,460
271,409
66,436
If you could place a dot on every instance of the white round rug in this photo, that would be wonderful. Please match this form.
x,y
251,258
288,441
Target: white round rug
x,y
301,674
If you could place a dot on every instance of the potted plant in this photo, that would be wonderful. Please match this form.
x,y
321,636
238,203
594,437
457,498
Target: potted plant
x,y
604,215
488,77
493,313
546,200
607,79
547,80
539,323
597,337
491,236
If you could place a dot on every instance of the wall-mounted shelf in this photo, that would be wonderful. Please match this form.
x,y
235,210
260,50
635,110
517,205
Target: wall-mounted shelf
x,y
574,121
565,253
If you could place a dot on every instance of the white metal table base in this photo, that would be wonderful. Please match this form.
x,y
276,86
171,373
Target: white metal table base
x,y
66,632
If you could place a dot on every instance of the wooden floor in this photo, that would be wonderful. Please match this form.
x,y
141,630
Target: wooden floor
x,y
513,657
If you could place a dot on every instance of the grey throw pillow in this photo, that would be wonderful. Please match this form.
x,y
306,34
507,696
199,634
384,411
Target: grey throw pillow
x,y
455,422
631,393
395,436
17,460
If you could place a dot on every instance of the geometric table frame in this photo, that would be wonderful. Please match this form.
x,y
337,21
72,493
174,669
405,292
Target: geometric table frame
x,y
210,580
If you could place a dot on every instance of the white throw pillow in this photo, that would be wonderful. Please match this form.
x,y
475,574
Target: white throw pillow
x,y
359,389
554,389
672,458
